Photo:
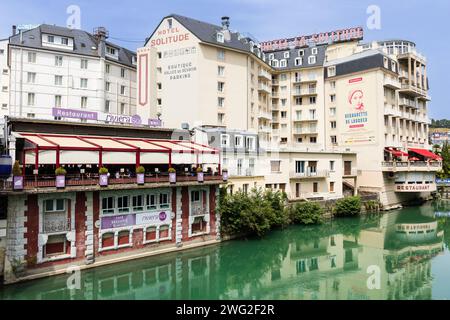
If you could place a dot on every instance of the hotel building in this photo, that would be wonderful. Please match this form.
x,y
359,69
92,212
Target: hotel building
x,y
314,95
56,73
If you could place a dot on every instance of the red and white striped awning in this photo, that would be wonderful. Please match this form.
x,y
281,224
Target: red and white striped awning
x,y
81,149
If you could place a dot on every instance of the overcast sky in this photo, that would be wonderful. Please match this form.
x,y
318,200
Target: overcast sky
x,y
132,21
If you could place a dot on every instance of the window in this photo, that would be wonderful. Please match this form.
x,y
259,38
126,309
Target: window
x,y
283,114
2,52
250,143
286,55
159,85
31,99
312,59
220,118
65,41
58,80
314,51
312,100
220,37
84,64
107,106
283,77
274,63
84,101
138,203
333,124
58,101
54,205
386,62
151,202
331,186
83,83
122,90
298,61
220,71
123,204
122,108
239,166
220,86
108,205
5,89
169,23
31,57
394,66
275,166
332,112
111,51
299,166
297,190
107,86
315,187
332,71
301,53
333,139
313,140
4,106
164,200
31,77
332,84
58,61
224,140
333,98
245,188
51,39
159,55
159,101
108,68
332,165
238,141
122,73
221,102
283,63
298,101
271,56
5,71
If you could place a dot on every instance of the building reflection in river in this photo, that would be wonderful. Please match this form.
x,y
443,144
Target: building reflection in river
x,y
326,262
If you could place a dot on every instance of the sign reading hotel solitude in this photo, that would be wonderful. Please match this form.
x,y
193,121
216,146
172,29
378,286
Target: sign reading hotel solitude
x,y
315,39
74,114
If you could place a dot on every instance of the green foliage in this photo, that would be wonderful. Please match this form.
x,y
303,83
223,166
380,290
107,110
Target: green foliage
x,y
445,154
444,123
172,170
17,170
372,206
348,207
252,214
140,170
60,171
103,170
307,213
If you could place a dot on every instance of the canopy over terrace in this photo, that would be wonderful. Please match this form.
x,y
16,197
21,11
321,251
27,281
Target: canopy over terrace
x,y
59,150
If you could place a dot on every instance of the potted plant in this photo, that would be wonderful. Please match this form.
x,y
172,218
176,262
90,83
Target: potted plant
x,y
17,176
172,175
60,173
103,176
140,175
200,177
225,175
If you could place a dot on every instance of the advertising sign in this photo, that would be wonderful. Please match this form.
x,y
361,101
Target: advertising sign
x,y
111,222
75,114
415,187
123,119
153,218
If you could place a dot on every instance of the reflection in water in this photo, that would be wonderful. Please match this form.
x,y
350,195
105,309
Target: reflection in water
x,y
321,262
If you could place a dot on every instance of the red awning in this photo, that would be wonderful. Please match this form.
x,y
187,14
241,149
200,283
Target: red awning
x,y
397,153
426,154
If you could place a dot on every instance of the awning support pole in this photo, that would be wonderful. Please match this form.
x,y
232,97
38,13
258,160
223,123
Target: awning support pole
x,y
100,158
57,157
170,159
138,157
36,160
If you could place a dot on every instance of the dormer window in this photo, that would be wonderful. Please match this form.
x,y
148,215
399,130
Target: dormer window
x,y
50,39
134,60
65,41
301,53
314,51
271,56
332,71
220,37
283,63
274,63
169,23
298,61
286,55
111,51
312,59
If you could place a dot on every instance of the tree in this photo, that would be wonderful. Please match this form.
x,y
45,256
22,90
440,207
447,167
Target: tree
x,y
445,154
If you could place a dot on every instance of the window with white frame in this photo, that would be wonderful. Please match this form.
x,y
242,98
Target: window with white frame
x,y
333,124
31,98
283,63
107,86
274,63
220,54
301,53
84,102
152,202
220,71
250,143
31,77
55,205
107,68
31,57
271,56
312,59
314,51
122,90
239,166
332,112
65,41
221,86
84,64
138,202
224,140
163,200
122,73
238,141
111,51
58,80
286,55
221,102
58,61
275,166
220,37
123,204
50,39
332,71
108,205
298,61
58,101
83,83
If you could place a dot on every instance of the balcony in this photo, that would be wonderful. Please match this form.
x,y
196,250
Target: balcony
x,y
264,115
350,173
406,166
392,111
264,88
305,131
264,74
304,80
305,92
310,174
407,103
392,83
414,91
306,119
265,129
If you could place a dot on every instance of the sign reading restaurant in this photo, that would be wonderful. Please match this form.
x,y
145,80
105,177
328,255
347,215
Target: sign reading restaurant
x,y
315,39
415,187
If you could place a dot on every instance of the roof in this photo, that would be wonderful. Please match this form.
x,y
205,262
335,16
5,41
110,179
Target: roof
x,y
294,53
83,42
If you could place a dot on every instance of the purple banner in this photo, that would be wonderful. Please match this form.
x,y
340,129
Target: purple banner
x,y
60,181
118,221
76,114
154,122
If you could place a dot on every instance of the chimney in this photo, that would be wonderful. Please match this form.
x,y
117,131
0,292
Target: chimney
x,y
101,34
225,23
14,30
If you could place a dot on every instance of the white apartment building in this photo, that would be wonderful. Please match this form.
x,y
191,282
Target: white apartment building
x,y
318,95
4,76
72,75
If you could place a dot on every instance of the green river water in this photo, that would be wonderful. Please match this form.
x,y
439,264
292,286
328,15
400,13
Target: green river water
x,y
405,251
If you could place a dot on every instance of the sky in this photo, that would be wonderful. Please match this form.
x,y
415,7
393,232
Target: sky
x,y
424,22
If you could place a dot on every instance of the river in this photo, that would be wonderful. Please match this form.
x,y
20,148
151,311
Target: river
x,y
403,254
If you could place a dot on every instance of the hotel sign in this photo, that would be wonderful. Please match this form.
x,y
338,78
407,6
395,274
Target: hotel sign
x,y
315,39
114,118
415,187
153,218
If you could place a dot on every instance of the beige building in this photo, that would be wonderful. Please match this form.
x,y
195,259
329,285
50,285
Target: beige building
x,y
318,95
